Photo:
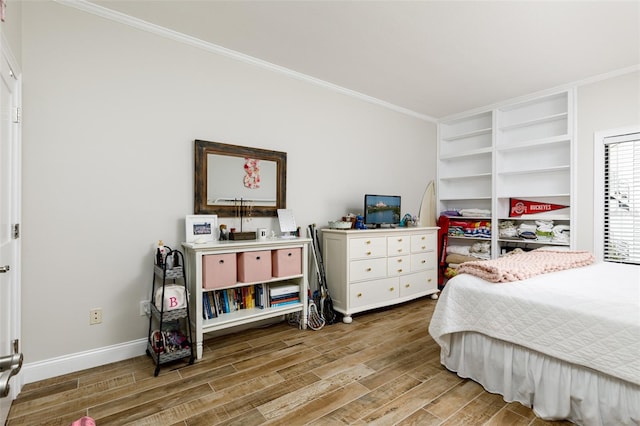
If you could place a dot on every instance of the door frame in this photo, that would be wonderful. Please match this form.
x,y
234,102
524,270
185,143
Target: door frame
x,y
17,381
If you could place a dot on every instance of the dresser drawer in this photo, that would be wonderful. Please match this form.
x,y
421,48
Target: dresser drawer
x,y
398,245
373,292
423,242
362,248
368,269
398,265
417,283
423,261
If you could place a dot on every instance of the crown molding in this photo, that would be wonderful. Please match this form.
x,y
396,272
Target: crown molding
x,y
140,24
574,85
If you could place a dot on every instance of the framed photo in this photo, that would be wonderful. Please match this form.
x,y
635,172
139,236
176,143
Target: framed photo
x,y
201,228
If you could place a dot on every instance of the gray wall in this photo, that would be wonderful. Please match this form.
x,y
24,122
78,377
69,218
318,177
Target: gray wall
x,y
110,116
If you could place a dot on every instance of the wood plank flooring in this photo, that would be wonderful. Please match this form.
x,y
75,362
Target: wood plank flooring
x,y
382,369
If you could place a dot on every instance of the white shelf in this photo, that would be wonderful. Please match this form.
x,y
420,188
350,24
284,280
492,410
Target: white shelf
x,y
470,134
535,143
195,257
245,316
534,170
246,284
469,218
533,196
475,176
444,198
526,241
533,217
534,121
464,154
525,152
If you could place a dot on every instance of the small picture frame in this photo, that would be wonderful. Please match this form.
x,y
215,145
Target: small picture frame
x,y
201,228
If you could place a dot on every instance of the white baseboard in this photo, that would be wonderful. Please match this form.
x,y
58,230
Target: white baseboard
x,y
40,370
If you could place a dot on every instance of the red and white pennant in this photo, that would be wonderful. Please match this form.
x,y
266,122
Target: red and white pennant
x,y
520,207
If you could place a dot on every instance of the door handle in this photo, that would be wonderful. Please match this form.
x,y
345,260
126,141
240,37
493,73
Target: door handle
x,y
10,365
4,269
11,362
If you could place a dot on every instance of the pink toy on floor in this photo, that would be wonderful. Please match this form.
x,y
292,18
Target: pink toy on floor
x,y
84,421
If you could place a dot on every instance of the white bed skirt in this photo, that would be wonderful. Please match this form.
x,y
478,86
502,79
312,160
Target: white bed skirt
x,y
554,389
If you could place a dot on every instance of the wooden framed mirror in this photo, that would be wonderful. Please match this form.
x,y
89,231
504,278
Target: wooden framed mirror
x,y
233,181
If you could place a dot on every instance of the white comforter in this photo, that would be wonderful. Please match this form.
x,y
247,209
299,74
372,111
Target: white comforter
x,y
589,316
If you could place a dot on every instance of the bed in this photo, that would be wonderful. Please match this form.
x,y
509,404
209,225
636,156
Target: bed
x,y
565,343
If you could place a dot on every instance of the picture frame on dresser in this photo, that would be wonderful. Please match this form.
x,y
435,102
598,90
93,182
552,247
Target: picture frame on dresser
x,y
201,228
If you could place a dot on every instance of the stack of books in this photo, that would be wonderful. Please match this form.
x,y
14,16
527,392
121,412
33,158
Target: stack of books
x,y
284,294
229,300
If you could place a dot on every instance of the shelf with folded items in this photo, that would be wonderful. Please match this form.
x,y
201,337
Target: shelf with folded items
x,y
532,233
467,228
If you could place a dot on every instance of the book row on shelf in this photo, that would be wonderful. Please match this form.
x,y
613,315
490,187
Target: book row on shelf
x,y
224,301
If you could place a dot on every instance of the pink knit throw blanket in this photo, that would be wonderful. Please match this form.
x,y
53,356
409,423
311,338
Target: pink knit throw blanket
x,y
526,265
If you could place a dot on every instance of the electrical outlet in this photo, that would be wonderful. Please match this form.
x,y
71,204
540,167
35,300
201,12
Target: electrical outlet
x,y
144,308
95,316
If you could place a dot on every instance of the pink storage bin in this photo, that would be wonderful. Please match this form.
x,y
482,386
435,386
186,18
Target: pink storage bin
x,y
286,262
254,266
219,270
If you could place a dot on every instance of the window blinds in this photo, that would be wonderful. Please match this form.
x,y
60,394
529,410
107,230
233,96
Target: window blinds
x,y
622,199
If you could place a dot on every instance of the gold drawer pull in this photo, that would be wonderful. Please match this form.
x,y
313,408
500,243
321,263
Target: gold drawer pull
x,y
423,261
424,247
399,260
368,242
368,269
400,270
359,295
399,250
399,240
429,280
407,285
368,253
391,288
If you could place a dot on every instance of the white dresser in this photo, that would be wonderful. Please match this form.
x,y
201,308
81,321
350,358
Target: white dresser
x,y
368,269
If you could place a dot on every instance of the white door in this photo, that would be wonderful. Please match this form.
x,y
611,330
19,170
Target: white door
x,y
9,240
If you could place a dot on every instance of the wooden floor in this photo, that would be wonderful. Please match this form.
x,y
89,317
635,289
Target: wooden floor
x,y
382,369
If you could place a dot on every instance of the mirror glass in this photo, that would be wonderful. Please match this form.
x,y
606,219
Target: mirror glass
x,y
233,180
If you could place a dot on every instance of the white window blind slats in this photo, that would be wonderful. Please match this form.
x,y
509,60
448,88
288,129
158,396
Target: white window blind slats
x,y
622,199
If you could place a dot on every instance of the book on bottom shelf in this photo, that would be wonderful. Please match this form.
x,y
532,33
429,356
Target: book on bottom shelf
x,y
209,308
285,302
284,294
276,290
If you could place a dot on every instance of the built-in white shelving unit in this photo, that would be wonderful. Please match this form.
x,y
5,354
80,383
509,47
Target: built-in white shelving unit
x,y
466,158
520,150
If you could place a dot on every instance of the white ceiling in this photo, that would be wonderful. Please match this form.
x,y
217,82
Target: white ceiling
x,y
433,58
